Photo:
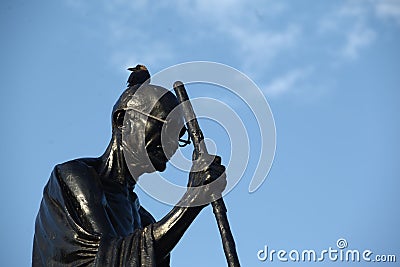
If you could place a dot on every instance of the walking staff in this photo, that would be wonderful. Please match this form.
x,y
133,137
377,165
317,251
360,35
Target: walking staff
x,y
219,208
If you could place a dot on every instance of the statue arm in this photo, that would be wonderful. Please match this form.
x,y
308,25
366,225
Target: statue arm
x,y
169,230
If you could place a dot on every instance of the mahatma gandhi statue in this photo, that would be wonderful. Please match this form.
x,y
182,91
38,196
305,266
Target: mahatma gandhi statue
x,y
89,214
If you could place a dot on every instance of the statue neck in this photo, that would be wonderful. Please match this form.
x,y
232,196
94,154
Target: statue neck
x,y
113,167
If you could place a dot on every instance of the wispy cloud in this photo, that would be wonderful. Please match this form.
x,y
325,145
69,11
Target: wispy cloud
x,y
258,48
348,24
128,56
358,37
244,24
130,44
387,9
287,82
256,36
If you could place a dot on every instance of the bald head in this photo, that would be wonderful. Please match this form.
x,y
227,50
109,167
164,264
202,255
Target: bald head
x,y
153,122
146,99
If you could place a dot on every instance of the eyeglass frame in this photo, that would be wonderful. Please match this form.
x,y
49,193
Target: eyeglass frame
x,y
185,142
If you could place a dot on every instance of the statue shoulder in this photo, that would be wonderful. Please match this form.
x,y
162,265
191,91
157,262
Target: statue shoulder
x,y
77,186
75,169
80,177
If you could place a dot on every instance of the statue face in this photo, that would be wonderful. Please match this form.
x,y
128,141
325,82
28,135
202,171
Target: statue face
x,y
161,144
151,126
162,138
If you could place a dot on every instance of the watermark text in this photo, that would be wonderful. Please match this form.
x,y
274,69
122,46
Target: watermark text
x,y
339,253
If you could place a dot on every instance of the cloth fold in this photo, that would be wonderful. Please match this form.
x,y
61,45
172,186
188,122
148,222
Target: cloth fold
x,y
78,226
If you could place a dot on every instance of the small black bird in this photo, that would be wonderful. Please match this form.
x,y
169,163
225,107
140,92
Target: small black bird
x,y
139,75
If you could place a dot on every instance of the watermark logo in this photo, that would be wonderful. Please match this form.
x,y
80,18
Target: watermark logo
x,y
340,253
341,243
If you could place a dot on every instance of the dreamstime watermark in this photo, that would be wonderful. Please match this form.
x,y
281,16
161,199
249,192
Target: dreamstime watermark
x,y
340,253
225,80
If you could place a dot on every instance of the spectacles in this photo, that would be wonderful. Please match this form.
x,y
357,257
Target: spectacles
x,y
182,142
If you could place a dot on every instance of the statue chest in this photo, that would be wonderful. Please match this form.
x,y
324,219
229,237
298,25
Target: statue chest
x,y
122,209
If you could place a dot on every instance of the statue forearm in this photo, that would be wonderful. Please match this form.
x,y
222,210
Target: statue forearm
x,y
169,230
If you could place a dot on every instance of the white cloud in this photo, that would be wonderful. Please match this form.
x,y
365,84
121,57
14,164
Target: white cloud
x,y
288,81
358,37
360,33
242,24
257,35
349,25
151,55
258,48
387,9
353,8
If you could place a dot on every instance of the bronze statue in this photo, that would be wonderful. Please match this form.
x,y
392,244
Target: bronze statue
x,y
89,214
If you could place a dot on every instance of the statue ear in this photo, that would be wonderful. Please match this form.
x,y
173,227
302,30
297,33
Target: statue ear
x,y
118,118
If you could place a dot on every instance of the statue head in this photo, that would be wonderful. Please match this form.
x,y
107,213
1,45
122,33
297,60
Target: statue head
x,y
148,124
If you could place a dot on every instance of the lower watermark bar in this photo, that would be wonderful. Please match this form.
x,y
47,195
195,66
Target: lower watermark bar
x,y
341,253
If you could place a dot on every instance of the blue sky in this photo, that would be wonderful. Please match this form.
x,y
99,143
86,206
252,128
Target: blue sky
x,y
329,70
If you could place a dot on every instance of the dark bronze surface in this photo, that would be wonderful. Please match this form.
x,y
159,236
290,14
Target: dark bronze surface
x,y
89,214
200,151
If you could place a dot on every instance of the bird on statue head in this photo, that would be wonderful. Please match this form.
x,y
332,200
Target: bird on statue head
x,y
139,75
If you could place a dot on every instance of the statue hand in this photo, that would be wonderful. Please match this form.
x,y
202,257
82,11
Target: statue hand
x,y
207,180
208,171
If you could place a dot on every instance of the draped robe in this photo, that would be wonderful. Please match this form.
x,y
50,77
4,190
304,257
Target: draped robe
x,y
87,220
